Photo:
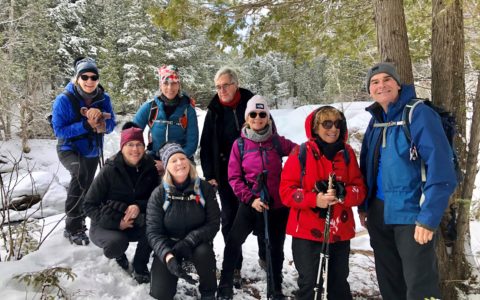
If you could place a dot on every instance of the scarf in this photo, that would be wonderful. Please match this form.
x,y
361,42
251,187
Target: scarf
x,y
88,97
258,136
330,150
233,103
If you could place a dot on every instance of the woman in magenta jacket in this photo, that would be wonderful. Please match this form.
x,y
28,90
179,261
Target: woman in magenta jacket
x,y
258,151
308,196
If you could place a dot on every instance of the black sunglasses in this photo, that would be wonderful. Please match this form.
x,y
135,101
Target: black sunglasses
x,y
328,124
86,77
253,114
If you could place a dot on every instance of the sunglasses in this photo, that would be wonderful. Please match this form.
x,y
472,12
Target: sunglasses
x,y
254,114
328,124
86,77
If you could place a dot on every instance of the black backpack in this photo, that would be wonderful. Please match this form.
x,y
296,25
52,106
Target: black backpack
x,y
449,125
75,106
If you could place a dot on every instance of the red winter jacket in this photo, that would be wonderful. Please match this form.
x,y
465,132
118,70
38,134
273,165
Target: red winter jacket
x,y
305,223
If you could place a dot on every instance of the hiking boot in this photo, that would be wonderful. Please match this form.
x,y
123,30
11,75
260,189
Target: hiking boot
x,y
237,279
262,263
122,261
141,276
225,293
78,238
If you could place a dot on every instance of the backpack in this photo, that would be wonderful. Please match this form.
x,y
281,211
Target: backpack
x,y
152,117
197,197
75,106
182,121
449,125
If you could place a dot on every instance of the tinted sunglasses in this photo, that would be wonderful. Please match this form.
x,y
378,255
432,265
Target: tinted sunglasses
x,y
328,124
253,114
86,77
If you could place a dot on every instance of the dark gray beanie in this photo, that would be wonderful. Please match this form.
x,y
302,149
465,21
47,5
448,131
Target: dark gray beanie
x,y
383,67
168,150
84,65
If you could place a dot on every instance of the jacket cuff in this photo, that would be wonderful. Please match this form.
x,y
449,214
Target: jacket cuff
x,y
425,226
87,126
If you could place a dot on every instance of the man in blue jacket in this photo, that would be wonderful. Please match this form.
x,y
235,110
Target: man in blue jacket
x,y
402,211
80,117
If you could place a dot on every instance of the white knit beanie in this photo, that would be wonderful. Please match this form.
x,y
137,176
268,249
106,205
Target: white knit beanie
x,y
257,103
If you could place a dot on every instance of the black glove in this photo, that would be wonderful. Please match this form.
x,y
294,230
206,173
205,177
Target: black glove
x,y
182,249
174,267
139,221
321,186
340,190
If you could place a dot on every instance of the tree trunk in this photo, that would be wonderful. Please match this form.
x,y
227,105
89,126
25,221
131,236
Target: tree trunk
x,y
471,168
392,39
448,91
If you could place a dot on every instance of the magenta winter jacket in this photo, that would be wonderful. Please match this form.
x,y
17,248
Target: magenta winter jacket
x,y
242,173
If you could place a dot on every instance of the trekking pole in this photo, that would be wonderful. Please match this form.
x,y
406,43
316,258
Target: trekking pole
x,y
324,254
265,197
99,140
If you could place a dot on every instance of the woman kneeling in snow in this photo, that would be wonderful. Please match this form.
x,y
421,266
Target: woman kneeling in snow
x,y
183,218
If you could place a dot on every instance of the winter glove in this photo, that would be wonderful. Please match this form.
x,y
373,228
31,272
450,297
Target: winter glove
x,y
321,186
340,190
139,220
174,267
183,249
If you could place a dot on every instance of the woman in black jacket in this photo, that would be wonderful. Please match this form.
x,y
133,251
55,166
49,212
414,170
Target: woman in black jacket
x,y
183,218
117,201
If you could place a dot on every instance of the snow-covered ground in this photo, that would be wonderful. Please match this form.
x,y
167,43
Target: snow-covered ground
x,y
100,278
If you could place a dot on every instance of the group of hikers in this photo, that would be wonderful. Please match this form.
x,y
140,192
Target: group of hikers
x,y
150,192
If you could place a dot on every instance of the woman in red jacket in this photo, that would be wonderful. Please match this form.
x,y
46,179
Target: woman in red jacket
x,y
305,191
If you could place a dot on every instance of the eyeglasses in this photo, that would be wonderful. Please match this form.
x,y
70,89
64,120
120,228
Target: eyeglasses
x,y
86,77
223,86
253,114
328,124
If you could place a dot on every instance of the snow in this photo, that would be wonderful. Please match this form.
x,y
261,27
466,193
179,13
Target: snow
x,y
100,278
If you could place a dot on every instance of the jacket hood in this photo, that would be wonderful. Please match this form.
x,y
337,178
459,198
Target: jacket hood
x,y
311,118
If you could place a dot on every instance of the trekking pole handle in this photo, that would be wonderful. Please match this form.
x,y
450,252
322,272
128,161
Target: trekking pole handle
x,y
105,115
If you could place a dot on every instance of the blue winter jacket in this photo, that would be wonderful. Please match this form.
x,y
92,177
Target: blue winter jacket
x,y
71,132
401,178
171,130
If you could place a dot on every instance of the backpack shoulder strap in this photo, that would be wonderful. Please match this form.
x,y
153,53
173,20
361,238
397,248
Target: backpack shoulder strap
x,y
152,116
166,191
302,158
199,198
277,145
75,105
407,116
241,147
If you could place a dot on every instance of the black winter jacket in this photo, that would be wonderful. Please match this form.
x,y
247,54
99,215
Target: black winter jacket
x,y
112,191
221,128
183,219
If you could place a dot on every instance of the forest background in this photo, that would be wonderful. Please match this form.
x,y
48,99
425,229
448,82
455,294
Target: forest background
x,y
294,52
